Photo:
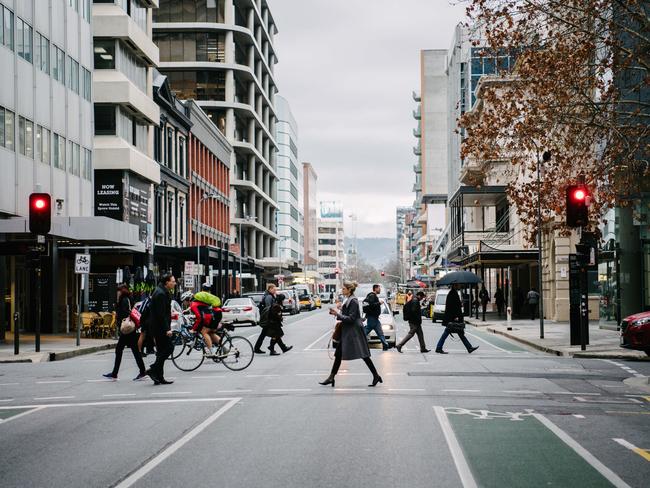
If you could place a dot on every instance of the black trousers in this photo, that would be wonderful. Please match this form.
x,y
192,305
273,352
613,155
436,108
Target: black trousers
x,y
130,341
164,348
338,359
260,340
414,329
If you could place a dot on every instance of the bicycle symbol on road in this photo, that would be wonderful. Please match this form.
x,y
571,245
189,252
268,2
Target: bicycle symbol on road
x,y
488,415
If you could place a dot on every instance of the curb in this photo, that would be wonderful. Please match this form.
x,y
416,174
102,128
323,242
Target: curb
x,y
640,383
534,345
59,356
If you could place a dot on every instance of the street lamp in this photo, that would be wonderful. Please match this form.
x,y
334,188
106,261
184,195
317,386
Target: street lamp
x,y
546,157
206,196
247,218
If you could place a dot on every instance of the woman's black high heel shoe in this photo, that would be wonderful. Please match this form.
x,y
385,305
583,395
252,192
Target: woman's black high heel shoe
x,y
328,381
375,380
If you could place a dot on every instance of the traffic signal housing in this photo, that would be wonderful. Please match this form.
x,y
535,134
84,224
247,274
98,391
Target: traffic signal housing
x,y
40,213
577,206
383,273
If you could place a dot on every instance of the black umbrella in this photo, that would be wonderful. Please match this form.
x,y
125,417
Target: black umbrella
x,y
460,277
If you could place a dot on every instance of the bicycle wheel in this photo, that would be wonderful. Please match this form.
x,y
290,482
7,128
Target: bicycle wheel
x,y
190,355
177,341
236,353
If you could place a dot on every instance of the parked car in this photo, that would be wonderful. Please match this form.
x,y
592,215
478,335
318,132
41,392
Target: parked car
x,y
240,311
257,296
635,332
439,304
291,304
306,303
318,303
178,317
325,297
387,320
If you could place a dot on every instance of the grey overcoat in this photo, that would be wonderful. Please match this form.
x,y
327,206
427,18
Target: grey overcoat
x,y
354,344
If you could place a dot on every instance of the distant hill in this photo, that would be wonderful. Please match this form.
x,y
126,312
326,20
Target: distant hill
x,y
376,251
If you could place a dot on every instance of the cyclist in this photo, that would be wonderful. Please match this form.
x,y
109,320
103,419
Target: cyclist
x,y
207,312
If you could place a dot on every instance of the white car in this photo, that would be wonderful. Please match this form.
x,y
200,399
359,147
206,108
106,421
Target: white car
x,y
240,311
439,304
388,327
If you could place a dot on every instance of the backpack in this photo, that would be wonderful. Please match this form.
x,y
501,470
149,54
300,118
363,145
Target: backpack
x,y
374,309
264,312
145,310
406,313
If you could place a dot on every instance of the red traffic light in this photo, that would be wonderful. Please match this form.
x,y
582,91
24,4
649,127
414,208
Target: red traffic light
x,y
577,201
383,273
579,194
40,213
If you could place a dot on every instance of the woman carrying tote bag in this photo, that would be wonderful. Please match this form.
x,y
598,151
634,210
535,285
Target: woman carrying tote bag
x,y
126,339
353,343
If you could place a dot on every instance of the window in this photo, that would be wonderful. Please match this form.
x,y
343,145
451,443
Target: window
x,y
86,84
105,123
45,144
68,161
191,46
190,11
38,143
169,160
6,129
156,144
8,28
42,53
86,169
198,85
76,159
129,64
73,75
58,60
24,39
181,156
104,54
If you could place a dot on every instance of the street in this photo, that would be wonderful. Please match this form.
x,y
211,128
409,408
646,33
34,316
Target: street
x,y
503,416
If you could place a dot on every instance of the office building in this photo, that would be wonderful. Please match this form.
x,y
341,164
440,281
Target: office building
x,y
331,245
310,215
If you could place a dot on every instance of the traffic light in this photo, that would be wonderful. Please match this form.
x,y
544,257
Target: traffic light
x,y
383,274
40,213
577,203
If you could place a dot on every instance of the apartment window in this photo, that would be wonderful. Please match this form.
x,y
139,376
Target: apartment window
x,y
87,164
156,144
42,53
45,145
158,206
86,80
104,54
181,156
191,46
294,191
24,39
6,129
190,11
58,64
72,74
129,64
68,161
76,159
294,213
86,13
169,160
8,28
181,221
105,123
198,85
294,170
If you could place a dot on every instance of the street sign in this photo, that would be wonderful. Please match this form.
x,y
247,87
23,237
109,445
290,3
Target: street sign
x,y
189,268
82,264
188,281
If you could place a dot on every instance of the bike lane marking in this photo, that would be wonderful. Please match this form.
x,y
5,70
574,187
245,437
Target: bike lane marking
x,y
545,455
644,453
147,468
457,455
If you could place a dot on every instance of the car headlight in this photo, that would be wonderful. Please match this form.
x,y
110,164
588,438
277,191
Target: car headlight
x,y
640,322
386,327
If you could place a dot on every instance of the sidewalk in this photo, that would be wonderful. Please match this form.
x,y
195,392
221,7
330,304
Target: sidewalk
x,y
603,343
53,348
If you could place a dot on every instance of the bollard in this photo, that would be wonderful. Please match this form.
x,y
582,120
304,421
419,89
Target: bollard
x,y
16,333
509,317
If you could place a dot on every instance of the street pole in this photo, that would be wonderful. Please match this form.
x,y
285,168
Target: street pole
x,y
241,253
198,243
546,156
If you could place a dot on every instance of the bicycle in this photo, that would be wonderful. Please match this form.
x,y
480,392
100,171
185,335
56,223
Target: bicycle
x,y
234,352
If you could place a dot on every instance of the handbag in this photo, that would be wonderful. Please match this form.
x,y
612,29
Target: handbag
x,y
336,335
127,326
456,327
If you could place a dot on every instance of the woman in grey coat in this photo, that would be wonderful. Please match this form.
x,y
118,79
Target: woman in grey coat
x,y
353,343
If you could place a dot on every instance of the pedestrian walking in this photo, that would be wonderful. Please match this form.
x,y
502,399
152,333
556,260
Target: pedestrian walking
x,y
413,314
453,313
274,326
265,308
353,343
499,300
145,341
533,300
130,340
372,309
484,296
160,327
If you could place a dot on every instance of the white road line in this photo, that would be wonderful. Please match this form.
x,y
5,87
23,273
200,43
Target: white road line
x,y
572,393
123,402
488,343
51,382
524,392
54,398
262,376
582,452
406,389
172,393
9,384
20,415
144,470
6,400
462,467
234,391
595,400
578,416
280,390
329,332
119,395
462,391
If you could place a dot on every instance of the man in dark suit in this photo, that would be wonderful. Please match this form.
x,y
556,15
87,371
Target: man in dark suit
x,y
453,313
160,327
413,313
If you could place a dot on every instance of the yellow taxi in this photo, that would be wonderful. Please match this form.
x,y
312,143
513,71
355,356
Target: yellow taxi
x,y
317,301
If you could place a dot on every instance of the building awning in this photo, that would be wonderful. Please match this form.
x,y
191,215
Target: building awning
x,y
484,196
87,231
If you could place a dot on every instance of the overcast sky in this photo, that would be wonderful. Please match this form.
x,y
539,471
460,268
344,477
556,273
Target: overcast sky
x,y
348,68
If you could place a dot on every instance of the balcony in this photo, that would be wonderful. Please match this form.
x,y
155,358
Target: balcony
x,y
417,150
416,96
113,152
417,114
112,86
417,168
417,132
110,20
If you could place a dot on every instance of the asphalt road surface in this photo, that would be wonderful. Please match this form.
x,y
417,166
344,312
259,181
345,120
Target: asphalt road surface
x,y
503,416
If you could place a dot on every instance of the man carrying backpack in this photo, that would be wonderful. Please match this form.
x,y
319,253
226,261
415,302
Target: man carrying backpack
x,y
160,327
265,309
372,309
413,313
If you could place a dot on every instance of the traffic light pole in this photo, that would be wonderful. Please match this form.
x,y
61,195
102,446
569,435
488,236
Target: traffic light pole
x,y
539,246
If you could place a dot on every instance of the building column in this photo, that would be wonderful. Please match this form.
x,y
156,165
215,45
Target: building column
x,y
631,263
229,12
230,124
251,102
268,252
252,208
252,247
260,246
260,212
251,169
250,21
